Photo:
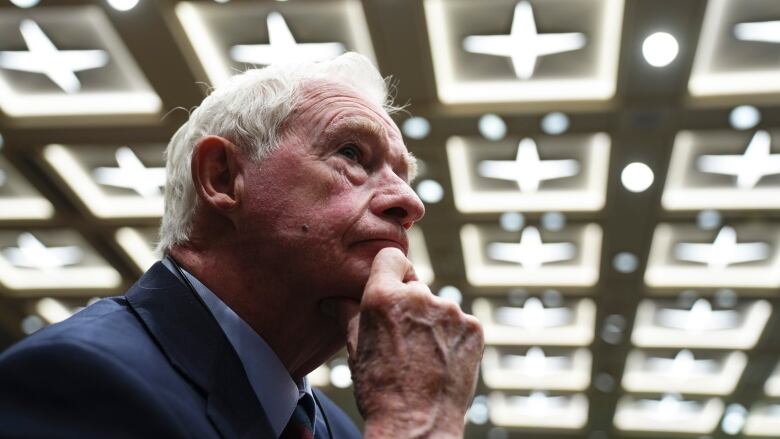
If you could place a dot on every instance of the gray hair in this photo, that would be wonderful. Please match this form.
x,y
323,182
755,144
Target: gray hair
x,y
249,110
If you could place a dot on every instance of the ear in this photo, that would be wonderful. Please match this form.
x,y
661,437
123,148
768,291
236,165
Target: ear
x,y
217,173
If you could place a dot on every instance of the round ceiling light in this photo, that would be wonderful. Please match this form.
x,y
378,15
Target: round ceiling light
x,y
637,177
660,49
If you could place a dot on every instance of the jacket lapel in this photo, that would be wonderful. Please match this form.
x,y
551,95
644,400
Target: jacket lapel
x,y
195,344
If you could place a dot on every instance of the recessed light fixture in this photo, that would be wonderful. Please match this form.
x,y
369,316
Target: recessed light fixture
x,y
492,127
430,191
555,123
122,5
744,117
416,127
451,293
340,376
553,221
708,219
625,262
637,177
25,3
512,221
660,49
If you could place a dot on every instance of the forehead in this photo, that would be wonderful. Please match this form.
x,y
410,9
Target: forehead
x,y
324,103
328,109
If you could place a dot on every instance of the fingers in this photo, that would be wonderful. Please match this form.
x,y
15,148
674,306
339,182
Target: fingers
x,y
390,267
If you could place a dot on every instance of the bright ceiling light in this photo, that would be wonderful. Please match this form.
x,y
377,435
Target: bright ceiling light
x,y
553,221
744,117
282,47
25,3
492,127
479,412
416,127
530,251
340,376
32,253
52,310
763,31
451,293
660,49
512,221
555,123
625,262
524,45
43,57
637,177
724,251
750,167
734,419
132,174
122,5
430,191
708,219
527,169
32,323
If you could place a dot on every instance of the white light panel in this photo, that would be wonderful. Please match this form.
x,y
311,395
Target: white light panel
x,y
537,368
77,166
772,385
538,410
669,414
61,260
418,255
744,171
571,325
139,246
763,420
726,64
62,89
524,66
527,175
229,38
578,269
658,325
19,200
685,256
683,372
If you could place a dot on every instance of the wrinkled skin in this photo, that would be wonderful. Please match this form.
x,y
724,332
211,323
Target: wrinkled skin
x,y
414,357
309,247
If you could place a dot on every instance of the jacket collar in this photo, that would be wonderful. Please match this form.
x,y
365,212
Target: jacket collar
x,y
194,343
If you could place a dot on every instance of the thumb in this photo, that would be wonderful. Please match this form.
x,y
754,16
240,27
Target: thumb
x,y
346,312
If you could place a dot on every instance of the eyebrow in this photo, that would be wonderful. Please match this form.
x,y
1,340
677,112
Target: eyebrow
x,y
370,128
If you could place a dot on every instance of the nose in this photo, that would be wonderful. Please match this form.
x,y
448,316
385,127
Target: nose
x,y
398,202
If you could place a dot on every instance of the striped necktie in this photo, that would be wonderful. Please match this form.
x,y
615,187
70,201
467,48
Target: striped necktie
x,y
301,424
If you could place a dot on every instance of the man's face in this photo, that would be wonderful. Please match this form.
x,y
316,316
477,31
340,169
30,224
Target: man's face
x,y
335,192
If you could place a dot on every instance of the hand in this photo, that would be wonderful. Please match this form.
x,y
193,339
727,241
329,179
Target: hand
x,y
414,356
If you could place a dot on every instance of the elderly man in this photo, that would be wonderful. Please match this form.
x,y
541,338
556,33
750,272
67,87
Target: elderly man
x,y
287,205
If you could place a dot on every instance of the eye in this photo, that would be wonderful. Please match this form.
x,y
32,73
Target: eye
x,y
350,151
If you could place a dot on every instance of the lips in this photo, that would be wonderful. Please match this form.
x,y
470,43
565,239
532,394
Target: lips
x,y
385,239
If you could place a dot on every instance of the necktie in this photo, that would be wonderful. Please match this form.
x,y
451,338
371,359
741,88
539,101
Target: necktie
x,y
301,424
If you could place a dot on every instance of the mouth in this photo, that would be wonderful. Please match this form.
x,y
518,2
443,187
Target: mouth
x,y
380,242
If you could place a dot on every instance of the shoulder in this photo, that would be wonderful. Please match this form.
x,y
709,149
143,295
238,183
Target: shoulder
x,y
340,423
108,328
67,380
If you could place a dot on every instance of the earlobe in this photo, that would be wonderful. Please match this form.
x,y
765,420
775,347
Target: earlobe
x,y
217,173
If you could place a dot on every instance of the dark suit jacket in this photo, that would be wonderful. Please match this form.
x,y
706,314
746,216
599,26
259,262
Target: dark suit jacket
x,y
152,364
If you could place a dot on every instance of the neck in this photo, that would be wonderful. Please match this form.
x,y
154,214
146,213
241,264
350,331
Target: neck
x,y
300,335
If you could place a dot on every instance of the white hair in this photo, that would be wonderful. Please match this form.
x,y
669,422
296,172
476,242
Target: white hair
x,y
249,110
